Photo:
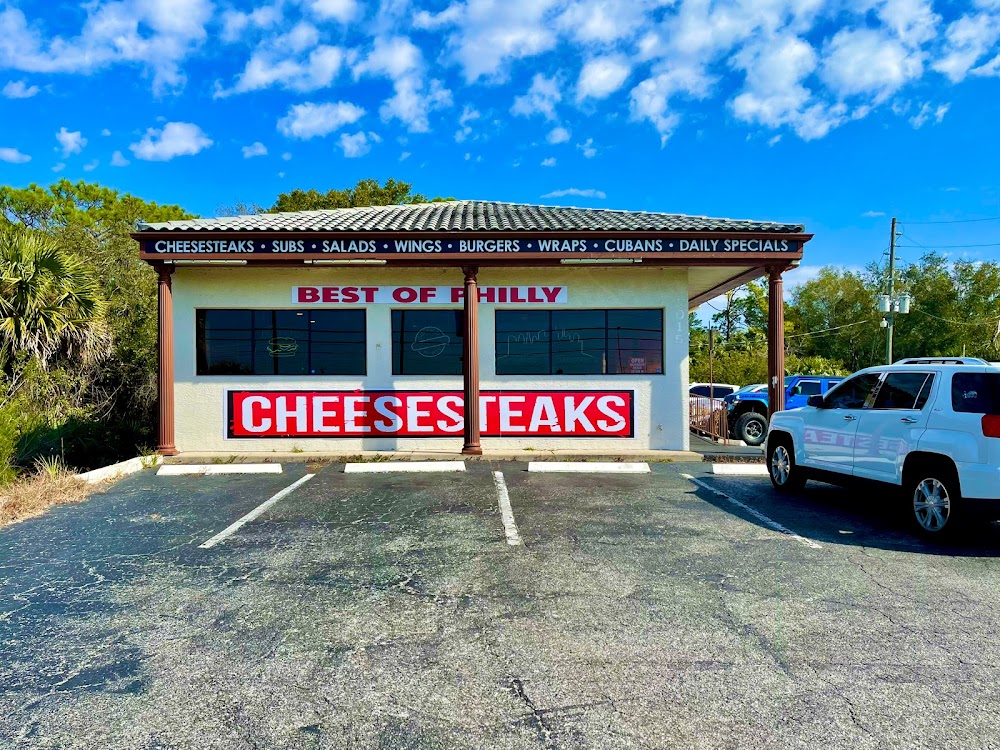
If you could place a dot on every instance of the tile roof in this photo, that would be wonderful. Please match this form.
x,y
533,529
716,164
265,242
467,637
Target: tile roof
x,y
471,216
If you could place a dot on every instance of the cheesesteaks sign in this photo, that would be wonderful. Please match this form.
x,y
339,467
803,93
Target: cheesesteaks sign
x,y
329,248
331,414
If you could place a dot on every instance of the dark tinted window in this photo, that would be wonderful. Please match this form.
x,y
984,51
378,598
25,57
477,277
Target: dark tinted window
x,y
904,390
579,342
976,392
852,393
809,387
699,390
280,342
427,342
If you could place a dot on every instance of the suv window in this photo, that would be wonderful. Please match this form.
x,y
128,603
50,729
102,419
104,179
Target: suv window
x,y
904,390
852,393
809,388
976,392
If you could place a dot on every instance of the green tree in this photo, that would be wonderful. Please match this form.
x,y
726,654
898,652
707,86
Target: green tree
x,y
366,192
49,302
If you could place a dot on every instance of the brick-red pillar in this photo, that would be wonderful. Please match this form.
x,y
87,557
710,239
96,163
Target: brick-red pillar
x,y
470,370
775,341
165,372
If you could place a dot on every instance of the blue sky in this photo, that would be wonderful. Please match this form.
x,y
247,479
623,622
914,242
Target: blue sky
x,y
836,114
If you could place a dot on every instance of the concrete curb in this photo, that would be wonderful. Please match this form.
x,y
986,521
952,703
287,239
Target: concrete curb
x,y
384,467
173,470
120,469
589,467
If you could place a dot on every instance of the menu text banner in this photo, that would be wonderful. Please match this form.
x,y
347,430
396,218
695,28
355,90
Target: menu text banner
x,y
200,248
426,295
331,414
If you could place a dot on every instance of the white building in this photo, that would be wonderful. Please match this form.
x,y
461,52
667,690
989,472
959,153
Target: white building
x,y
372,328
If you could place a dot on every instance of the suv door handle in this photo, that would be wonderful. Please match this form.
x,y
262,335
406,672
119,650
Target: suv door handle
x,y
849,417
908,420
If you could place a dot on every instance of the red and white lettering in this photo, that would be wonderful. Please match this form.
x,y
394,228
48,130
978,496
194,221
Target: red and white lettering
x,y
303,414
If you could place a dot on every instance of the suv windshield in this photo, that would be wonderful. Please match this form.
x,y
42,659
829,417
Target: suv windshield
x,y
976,392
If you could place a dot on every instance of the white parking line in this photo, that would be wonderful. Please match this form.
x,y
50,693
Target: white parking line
x,y
740,470
404,466
233,528
756,514
174,470
589,467
506,512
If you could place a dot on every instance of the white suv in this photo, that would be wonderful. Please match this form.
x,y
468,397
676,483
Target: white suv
x,y
928,426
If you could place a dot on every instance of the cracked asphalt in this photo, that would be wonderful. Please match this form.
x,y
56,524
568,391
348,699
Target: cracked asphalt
x,y
387,611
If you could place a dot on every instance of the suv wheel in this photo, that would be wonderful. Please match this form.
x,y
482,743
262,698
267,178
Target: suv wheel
x,y
932,494
751,428
786,475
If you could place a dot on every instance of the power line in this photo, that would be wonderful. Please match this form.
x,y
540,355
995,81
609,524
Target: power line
x,y
952,221
944,247
828,330
982,322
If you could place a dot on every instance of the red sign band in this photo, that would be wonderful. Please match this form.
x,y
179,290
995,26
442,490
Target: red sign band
x,y
331,414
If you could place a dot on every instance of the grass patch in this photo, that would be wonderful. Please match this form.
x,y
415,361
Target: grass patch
x,y
33,495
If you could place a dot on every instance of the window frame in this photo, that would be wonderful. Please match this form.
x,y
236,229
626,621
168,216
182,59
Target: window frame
x,y
869,399
928,376
199,342
606,310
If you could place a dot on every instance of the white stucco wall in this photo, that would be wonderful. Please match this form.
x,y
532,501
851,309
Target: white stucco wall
x,y
660,401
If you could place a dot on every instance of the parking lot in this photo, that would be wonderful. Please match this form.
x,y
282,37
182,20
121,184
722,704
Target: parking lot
x,y
670,609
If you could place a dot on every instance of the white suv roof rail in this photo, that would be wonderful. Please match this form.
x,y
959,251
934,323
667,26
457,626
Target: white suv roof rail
x,y
941,361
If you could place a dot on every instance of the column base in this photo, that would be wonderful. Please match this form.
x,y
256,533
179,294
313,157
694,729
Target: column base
x,y
472,450
167,450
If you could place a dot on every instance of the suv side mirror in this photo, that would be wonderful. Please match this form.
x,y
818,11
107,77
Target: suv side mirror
x,y
816,401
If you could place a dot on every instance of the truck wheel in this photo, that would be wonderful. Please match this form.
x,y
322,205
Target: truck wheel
x,y
751,428
933,500
786,475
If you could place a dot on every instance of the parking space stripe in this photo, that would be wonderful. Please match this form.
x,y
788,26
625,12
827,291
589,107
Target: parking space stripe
x,y
176,470
404,466
740,470
506,512
589,467
756,514
233,528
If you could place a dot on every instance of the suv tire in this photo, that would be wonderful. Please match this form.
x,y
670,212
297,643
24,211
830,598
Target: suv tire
x,y
933,499
751,428
786,475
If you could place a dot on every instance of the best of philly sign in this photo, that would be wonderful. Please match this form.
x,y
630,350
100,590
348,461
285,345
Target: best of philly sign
x,y
535,246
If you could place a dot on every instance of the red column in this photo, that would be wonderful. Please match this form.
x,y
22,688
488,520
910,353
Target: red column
x,y
470,370
775,341
165,373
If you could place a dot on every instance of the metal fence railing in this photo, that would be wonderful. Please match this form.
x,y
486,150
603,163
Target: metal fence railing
x,y
708,417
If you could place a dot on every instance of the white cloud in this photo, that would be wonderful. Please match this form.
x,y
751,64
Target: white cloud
x,y
157,35
967,39
287,156
172,140
19,90
392,57
118,160
358,144
588,149
91,166
13,156
105,132
308,120
602,76
541,98
866,61
339,10
254,149
489,34
236,24
927,112
587,193
557,135
59,167
294,60
70,142
774,140
873,214
550,162
469,114
602,21
405,155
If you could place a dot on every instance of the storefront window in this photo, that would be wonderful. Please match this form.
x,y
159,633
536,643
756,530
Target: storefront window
x,y
427,342
579,342
281,342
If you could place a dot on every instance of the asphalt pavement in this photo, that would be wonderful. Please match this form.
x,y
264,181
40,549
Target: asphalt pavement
x,y
671,609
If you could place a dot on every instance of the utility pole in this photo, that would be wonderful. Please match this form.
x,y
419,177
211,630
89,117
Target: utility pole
x,y
890,317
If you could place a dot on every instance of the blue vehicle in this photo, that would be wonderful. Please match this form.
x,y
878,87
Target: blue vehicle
x,y
747,409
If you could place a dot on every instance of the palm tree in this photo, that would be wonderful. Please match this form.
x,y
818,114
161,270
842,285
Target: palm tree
x,y
49,302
